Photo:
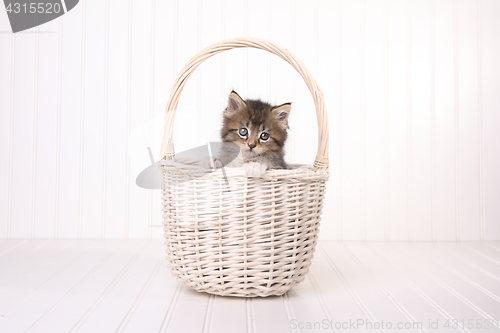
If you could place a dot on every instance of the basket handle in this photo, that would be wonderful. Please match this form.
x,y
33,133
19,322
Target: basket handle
x,y
167,148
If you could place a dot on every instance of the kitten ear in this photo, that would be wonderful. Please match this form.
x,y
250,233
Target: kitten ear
x,y
235,103
281,112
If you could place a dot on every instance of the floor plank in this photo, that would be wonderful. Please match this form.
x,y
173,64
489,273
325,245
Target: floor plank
x,y
341,303
228,314
189,312
7,246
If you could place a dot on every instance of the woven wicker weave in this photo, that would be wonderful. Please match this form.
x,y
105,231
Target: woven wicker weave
x,y
227,234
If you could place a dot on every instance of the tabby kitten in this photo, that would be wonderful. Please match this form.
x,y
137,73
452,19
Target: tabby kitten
x,y
259,130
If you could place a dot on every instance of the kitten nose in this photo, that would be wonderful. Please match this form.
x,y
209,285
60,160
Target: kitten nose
x,y
251,145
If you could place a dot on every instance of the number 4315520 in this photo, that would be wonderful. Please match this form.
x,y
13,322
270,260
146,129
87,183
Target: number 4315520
x,y
40,8
471,324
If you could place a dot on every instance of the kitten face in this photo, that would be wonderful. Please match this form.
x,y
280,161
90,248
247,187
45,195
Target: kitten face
x,y
258,128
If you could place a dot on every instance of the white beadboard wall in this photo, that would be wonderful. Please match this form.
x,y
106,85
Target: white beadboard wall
x,y
412,90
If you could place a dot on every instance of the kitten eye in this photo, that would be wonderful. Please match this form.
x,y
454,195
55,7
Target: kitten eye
x,y
243,132
264,136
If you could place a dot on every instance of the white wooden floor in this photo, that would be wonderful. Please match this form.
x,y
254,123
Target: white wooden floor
x,y
125,286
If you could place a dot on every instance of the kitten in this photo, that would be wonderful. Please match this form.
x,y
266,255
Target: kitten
x,y
259,130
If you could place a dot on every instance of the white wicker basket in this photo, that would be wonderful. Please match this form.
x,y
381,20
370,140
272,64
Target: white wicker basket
x,y
227,234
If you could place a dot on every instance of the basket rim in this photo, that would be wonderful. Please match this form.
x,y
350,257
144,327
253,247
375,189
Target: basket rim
x,y
297,171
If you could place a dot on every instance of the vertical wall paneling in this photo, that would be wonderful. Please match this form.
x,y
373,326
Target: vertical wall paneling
x,y
22,136
305,130
282,75
411,89
71,77
234,25
212,97
421,122
338,166
164,71
455,118
468,124
127,162
490,118
444,123
81,121
480,117
328,79
386,150
116,99
57,178
152,137
93,119
34,129
432,110
258,61
234,67
409,117
105,122
45,136
351,117
374,117
10,138
7,58
397,122
140,78
187,47
362,123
